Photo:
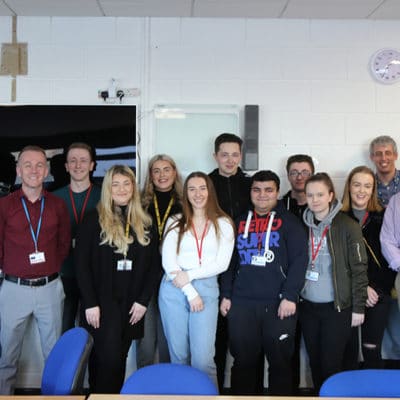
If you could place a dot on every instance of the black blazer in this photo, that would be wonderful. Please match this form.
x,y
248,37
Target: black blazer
x,y
95,264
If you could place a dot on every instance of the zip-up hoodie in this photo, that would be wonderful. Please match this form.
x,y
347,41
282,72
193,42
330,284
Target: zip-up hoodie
x,y
349,261
321,290
292,205
233,192
283,277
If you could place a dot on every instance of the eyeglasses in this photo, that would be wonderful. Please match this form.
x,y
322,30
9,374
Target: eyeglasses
x,y
304,173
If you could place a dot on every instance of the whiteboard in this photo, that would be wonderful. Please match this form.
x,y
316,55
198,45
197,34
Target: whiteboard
x,y
187,133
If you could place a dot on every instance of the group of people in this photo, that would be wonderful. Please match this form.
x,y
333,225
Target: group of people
x,y
190,269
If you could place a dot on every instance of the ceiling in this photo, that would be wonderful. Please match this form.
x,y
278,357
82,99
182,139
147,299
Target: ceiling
x,y
309,9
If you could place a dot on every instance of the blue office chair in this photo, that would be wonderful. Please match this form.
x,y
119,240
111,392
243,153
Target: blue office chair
x,y
65,366
363,383
172,379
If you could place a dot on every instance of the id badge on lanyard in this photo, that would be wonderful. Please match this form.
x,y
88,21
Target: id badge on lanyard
x,y
268,256
311,274
124,265
37,257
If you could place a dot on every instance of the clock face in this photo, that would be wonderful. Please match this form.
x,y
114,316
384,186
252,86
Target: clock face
x,y
385,65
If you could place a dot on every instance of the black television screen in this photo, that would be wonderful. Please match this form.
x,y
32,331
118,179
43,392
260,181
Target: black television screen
x,y
109,129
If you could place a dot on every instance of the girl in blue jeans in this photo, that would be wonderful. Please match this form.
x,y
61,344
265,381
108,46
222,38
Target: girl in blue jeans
x,y
197,246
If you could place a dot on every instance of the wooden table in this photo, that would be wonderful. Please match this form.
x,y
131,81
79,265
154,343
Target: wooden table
x,y
168,397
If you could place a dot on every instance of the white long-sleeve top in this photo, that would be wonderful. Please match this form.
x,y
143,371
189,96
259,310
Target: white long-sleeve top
x,y
216,253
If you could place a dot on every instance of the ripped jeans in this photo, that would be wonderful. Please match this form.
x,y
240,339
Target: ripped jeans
x,y
255,329
372,330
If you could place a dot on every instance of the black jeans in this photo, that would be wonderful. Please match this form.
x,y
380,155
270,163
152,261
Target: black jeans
x,y
372,331
112,340
71,302
256,330
221,347
326,332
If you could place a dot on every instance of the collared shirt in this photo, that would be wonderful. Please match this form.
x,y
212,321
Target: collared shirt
x,y
385,192
16,242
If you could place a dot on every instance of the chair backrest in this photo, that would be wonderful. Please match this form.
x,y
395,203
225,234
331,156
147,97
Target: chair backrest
x,y
65,366
363,383
173,379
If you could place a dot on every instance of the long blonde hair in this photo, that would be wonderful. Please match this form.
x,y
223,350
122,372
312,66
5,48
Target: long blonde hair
x,y
148,190
110,218
373,202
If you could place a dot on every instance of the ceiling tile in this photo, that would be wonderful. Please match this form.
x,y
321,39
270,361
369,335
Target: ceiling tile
x,y
307,9
147,8
65,8
390,9
4,10
239,8
333,9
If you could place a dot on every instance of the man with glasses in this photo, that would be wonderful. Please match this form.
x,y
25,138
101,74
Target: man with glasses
x,y
299,168
261,289
80,196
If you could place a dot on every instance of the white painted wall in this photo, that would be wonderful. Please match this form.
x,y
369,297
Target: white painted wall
x,y
310,77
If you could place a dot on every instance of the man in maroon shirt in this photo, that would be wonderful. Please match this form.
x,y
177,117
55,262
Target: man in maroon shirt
x,y
34,240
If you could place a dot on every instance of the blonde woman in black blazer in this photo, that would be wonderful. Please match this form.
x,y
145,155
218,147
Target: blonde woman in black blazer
x,y
116,258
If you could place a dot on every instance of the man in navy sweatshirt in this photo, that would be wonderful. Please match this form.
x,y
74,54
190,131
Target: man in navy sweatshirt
x,y
261,289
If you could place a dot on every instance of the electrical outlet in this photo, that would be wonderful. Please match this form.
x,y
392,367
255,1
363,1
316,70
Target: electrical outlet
x,y
131,92
102,94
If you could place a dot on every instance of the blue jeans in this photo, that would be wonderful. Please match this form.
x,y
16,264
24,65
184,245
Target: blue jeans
x,y
391,338
191,335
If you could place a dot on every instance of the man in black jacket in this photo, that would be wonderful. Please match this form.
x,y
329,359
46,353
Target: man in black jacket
x,y
233,191
299,167
230,182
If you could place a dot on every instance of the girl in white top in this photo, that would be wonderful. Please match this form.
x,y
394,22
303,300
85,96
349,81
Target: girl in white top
x,y
197,246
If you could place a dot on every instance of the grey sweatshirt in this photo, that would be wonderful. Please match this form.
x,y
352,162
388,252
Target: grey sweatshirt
x,y
321,290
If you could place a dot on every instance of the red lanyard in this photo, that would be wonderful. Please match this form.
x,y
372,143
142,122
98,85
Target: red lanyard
x,y
200,246
364,220
259,236
84,204
314,253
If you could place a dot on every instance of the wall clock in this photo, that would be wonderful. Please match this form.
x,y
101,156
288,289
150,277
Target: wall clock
x,y
385,65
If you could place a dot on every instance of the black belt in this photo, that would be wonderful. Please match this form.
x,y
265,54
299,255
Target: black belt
x,y
44,280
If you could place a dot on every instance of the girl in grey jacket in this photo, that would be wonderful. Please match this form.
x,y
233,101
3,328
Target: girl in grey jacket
x,y
335,289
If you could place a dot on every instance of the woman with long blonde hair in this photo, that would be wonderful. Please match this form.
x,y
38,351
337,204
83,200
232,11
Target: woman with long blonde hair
x,y
197,246
161,198
116,258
